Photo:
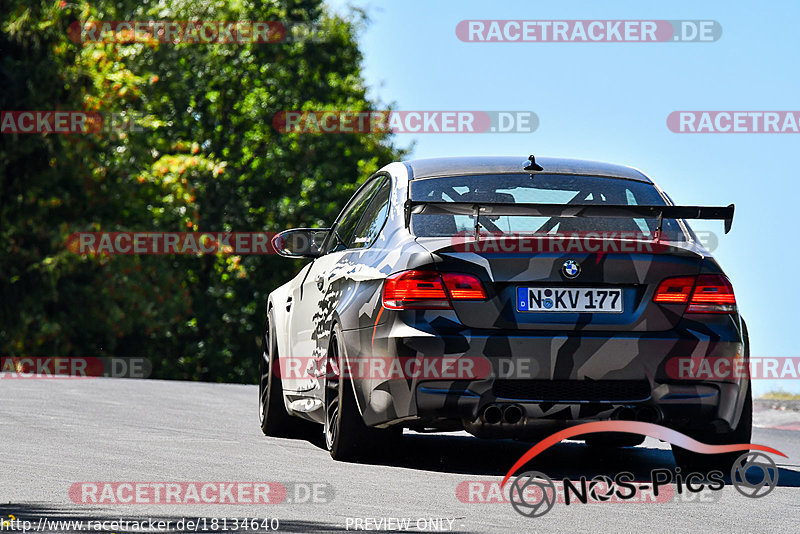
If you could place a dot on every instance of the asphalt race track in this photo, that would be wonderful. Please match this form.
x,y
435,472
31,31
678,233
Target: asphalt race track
x,y
56,432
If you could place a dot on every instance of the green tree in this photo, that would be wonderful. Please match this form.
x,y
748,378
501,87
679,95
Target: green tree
x,y
207,159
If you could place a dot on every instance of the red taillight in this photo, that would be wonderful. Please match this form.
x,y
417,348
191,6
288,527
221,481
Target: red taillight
x,y
675,290
705,293
712,293
415,290
463,287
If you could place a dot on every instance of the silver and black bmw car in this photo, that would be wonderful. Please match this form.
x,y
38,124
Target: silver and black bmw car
x,y
507,297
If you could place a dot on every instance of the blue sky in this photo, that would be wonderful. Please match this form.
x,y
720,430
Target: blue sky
x,y
610,101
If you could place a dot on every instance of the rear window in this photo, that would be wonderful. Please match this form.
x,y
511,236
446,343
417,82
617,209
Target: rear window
x,y
539,189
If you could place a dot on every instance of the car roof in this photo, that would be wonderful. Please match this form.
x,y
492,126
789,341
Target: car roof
x,y
464,165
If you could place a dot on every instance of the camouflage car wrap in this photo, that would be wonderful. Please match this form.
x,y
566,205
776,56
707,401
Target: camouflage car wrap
x,y
556,369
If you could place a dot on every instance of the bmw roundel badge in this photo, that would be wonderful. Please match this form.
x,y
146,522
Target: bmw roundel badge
x,y
571,269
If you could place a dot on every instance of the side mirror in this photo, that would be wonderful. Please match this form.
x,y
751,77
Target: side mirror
x,y
300,242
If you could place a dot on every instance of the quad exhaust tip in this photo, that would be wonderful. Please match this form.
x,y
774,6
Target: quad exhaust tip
x,y
494,414
648,414
624,414
644,414
512,414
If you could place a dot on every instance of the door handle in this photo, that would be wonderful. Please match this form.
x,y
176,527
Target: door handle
x,y
288,303
320,281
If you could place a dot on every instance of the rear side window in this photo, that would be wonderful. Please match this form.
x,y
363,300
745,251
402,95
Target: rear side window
x,y
374,216
346,225
538,189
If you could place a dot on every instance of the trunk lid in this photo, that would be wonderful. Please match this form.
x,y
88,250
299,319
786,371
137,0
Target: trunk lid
x,y
508,270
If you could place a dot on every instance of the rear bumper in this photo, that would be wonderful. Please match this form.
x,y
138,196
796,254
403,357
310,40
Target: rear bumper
x,y
683,407
554,377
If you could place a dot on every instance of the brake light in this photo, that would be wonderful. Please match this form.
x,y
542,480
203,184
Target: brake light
x,y
705,293
712,293
675,290
463,287
428,290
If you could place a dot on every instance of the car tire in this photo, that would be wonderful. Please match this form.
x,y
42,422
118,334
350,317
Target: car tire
x,y
273,417
347,437
703,463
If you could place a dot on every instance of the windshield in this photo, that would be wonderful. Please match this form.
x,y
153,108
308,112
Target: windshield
x,y
540,189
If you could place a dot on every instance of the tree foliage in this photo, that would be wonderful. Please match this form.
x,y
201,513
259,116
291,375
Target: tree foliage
x,y
206,158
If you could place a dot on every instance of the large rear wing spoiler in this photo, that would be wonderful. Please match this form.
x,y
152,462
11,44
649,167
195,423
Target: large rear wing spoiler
x,y
476,209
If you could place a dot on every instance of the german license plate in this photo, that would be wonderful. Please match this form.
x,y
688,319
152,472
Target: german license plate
x,y
569,299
